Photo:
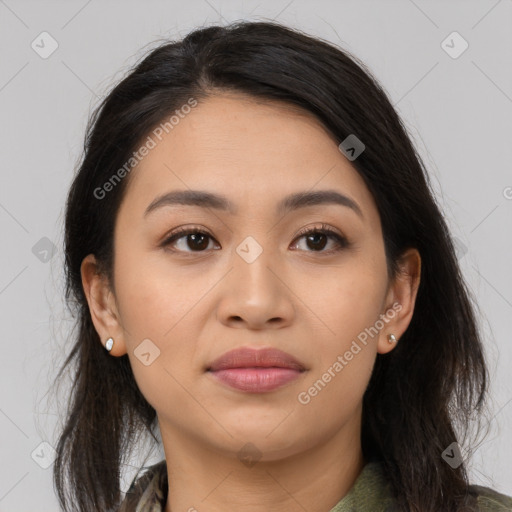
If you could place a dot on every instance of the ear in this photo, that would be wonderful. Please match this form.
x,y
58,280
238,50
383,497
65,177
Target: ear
x,y
102,305
401,298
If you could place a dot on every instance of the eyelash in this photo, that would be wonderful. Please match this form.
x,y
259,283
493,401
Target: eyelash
x,y
342,242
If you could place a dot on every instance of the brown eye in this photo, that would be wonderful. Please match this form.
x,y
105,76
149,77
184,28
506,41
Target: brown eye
x,y
318,238
195,240
317,241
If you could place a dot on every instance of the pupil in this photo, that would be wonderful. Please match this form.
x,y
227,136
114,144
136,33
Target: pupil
x,y
195,237
315,240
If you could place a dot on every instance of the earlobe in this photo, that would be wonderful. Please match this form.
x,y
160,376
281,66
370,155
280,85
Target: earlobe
x,y
102,307
401,300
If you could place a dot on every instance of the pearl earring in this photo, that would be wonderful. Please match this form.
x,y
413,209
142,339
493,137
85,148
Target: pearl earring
x,y
392,339
109,344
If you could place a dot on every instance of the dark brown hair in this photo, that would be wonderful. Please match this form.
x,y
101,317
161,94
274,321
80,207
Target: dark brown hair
x,y
421,396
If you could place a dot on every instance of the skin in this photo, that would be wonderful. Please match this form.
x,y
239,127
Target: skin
x,y
195,306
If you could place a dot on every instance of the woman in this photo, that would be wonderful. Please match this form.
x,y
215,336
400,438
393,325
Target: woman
x,y
261,273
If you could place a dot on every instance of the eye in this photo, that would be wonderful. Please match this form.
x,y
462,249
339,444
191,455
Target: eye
x,y
196,239
317,238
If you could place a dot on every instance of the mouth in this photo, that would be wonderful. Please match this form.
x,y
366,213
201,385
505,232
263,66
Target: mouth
x,y
246,357
256,371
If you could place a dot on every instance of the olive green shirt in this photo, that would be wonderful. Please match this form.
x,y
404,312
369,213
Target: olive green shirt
x,y
370,493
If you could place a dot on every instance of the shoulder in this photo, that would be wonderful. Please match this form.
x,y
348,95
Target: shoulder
x,y
491,500
147,493
372,491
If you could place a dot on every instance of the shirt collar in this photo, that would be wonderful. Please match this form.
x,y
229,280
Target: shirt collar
x,y
370,491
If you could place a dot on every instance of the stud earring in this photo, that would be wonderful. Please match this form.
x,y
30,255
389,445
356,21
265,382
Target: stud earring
x,y
391,338
109,344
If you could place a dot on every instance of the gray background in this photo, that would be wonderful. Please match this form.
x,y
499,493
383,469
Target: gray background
x,y
458,111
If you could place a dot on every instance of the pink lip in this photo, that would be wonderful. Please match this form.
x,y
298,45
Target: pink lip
x,y
254,370
256,380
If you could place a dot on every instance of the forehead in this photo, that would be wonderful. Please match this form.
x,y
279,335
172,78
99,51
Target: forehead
x,y
247,149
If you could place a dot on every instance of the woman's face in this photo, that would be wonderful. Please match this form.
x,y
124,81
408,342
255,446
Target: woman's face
x,y
251,280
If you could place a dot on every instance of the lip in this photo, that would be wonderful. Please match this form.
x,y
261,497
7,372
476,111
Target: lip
x,y
256,370
246,357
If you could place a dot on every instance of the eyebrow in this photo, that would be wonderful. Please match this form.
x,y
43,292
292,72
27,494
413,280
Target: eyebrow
x,y
290,203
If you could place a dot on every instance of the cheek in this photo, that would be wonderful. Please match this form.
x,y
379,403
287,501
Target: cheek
x,y
159,304
154,297
345,301
349,307
337,382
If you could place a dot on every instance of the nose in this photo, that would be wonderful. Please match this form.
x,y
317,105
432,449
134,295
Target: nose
x,y
256,294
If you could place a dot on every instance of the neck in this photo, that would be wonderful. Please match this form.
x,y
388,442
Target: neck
x,y
202,478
